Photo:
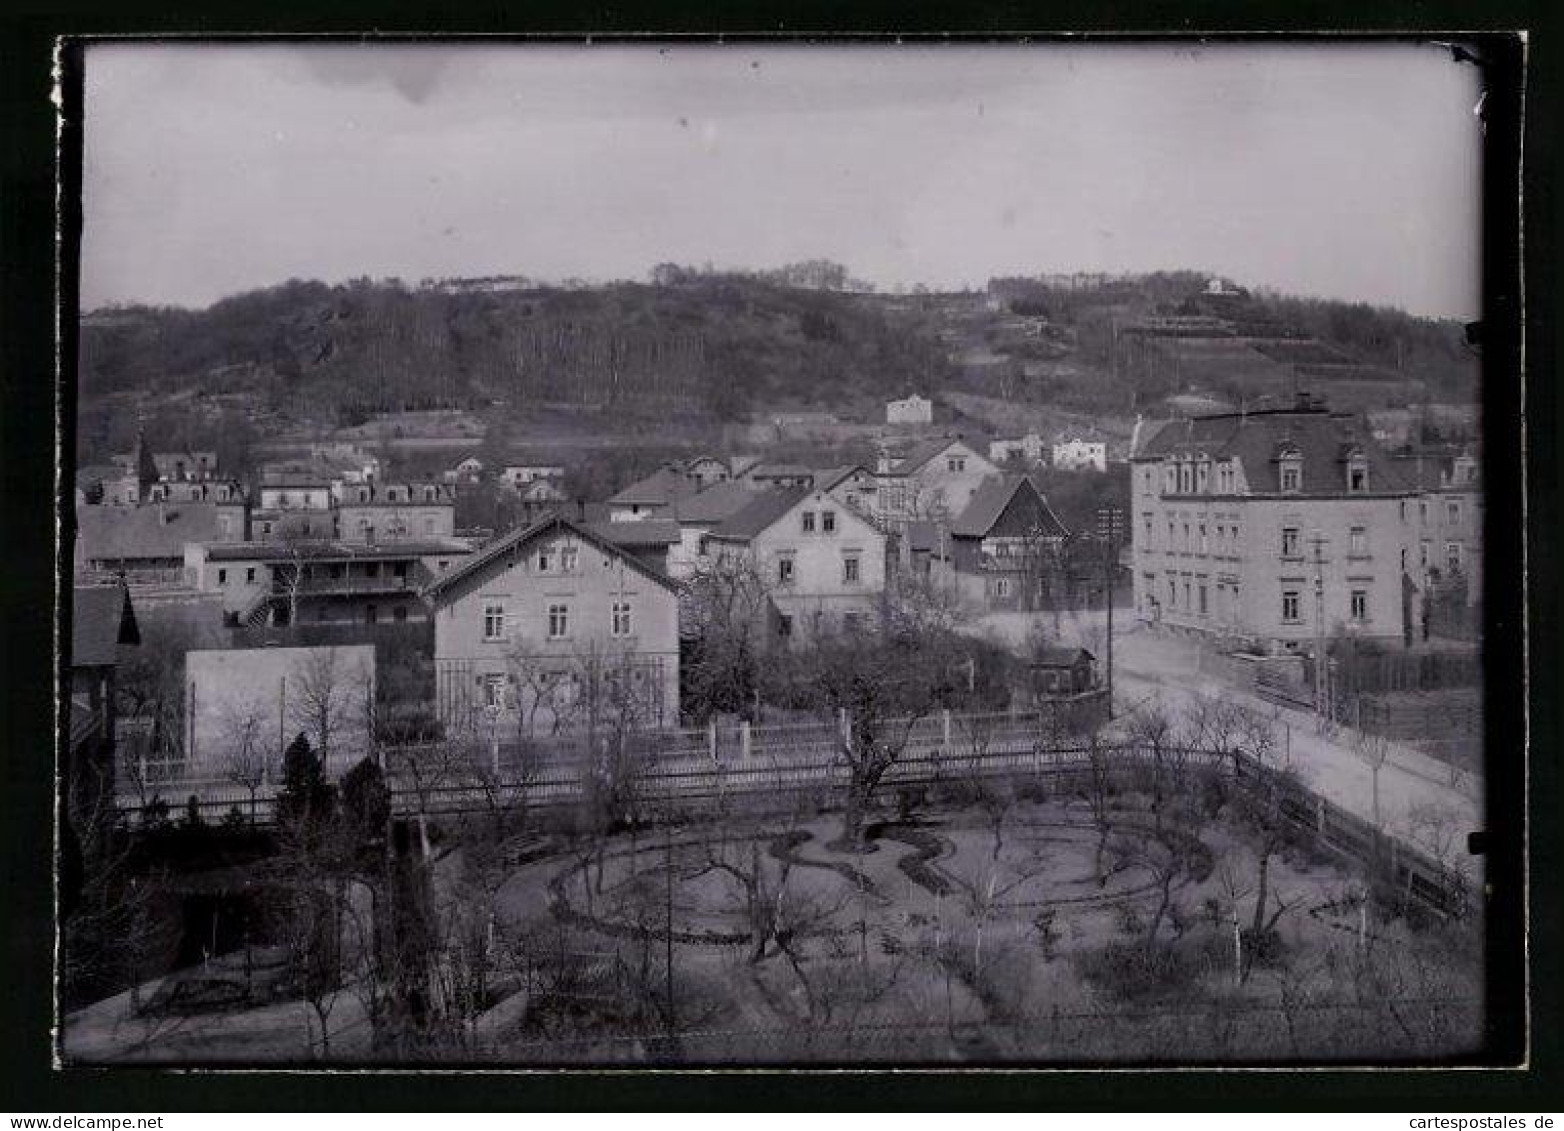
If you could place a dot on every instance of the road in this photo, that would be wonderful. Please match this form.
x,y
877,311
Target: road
x,y
1420,798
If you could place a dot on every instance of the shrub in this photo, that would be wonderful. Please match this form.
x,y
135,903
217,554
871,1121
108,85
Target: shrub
x,y
1128,972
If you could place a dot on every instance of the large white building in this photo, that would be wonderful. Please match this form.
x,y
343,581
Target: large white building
x,y
911,409
1273,527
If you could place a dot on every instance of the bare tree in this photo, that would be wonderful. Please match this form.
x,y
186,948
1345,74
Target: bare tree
x,y
874,687
245,760
1260,803
724,610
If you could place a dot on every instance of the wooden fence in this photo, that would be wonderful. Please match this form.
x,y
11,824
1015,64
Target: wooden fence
x,y
693,771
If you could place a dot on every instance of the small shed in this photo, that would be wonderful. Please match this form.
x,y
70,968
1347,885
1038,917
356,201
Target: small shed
x,y
1062,671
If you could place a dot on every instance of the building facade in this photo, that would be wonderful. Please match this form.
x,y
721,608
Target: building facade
x,y
1076,454
548,628
911,409
1275,528
822,563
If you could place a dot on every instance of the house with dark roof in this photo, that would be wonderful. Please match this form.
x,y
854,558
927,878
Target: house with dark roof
x,y
930,481
1274,527
822,562
103,626
552,627
653,496
146,544
1004,544
696,516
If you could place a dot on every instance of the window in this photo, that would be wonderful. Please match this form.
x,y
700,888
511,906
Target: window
x,y
494,691
1202,594
371,614
1422,511
1357,544
429,494
1422,553
1172,594
850,571
558,622
784,625
1290,613
1170,535
1289,541
1203,544
222,577
249,575
1357,474
1202,475
545,561
1170,480
956,463
399,569
828,522
494,622
1292,471
1453,556
809,522
443,564
1186,538
1147,521
1001,587
266,528
621,625
569,557
1402,508
1360,604
785,571
1453,511
1187,601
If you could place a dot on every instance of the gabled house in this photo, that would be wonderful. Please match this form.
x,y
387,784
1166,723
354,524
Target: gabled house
x,y
853,484
698,515
822,563
653,496
1004,543
932,480
549,627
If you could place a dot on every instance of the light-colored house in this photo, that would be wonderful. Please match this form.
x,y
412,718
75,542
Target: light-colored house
x,y
324,580
1027,449
933,480
1273,527
911,409
389,512
853,484
552,626
520,475
822,563
698,515
653,496
294,491
1076,454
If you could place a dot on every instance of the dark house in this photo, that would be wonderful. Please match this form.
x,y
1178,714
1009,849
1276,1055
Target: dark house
x,y
1058,671
103,623
1004,543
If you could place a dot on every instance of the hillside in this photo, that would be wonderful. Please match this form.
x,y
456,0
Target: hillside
x,y
697,352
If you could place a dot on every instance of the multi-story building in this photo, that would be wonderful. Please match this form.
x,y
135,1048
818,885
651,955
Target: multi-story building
x,y
1449,533
822,563
380,512
1276,527
1004,546
321,581
932,481
1076,454
530,632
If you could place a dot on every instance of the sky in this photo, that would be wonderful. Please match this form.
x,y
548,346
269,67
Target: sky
x,y
1343,171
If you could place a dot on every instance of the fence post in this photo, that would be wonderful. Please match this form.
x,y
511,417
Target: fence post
x,y
744,743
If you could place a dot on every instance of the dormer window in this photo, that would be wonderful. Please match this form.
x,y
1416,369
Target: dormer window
x,y
1291,471
1172,478
1357,473
1202,474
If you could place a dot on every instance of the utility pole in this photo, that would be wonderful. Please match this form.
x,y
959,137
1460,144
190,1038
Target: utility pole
x,y
1110,527
1321,688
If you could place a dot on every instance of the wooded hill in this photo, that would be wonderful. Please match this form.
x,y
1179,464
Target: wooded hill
x,y
714,347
